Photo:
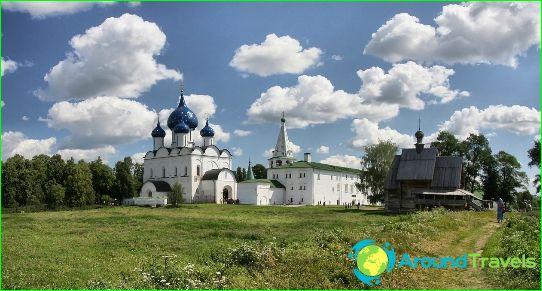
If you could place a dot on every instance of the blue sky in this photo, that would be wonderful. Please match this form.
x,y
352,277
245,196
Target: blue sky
x,y
461,67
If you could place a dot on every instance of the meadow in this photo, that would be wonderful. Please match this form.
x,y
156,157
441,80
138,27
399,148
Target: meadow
x,y
231,246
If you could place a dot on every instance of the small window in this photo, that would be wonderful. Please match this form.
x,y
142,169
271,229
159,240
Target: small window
x,y
176,172
300,188
186,171
164,172
151,172
292,187
198,170
300,175
304,187
304,175
285,176
318,176
301,199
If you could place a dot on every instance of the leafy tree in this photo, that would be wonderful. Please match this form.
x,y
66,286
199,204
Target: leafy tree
x,y
376,164
239,174
138,176
56,170
447,144
38,176
490,178
175,197
259,171
510,175
525,201
476,152
16,183
125,186
244,177
79,189
54,194
103,178
534,155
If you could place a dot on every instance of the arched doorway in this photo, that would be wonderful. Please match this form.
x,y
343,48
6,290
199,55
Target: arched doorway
x,y
227,194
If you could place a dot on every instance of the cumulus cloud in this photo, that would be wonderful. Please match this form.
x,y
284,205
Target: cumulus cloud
x,y
336,58
41,10
15,142
138,158
237,151
369,133
240,132
466,33
25,118
313,100
115,58
276,55
517,119
293,147
323,150
8,66
404,84
87,155
102,121
343,161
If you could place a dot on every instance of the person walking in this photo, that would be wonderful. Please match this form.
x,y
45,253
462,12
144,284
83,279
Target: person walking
x,y
500,210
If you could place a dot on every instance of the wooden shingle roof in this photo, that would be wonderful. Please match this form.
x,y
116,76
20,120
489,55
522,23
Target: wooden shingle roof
x,y
417,166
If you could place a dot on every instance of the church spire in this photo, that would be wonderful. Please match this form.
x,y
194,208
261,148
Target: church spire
x,y
282,148
250,175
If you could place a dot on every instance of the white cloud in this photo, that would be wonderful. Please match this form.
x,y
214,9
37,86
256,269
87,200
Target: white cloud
x,y
268,153
102,121
134,4
138,157
369,133
323,150
25,118
40,10
3,103
276,55
237,151
336,58
240,132
313,100
88,154
293,147
203,106
115,58
15,142
343,161
517,119
467,33
8,66
404,84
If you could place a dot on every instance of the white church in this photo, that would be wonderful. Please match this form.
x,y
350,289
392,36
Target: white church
x,y
205,171
303,182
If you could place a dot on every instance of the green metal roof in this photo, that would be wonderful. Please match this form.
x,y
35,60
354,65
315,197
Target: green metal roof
x,y
274,183
320,166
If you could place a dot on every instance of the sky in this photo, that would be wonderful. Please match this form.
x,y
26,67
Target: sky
x,y
88,79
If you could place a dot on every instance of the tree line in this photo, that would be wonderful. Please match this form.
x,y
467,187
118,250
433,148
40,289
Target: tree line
x,y
52,182
259,171
496,175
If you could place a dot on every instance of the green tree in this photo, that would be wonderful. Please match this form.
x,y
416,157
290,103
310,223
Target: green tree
x,y
490,178
125,186
239,174
259,171
16,183
175,197
38,176
447,144
54,194
534,155
79,189
476,152
56,170
510,175
244,176
103,178
138,176
376,163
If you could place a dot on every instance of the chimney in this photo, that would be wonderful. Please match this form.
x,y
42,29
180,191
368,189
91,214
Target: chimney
x,y
307,157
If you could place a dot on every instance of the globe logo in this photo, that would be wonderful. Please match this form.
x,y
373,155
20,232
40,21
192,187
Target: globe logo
x,y
372,261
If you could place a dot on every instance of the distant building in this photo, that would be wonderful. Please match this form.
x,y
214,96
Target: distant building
x,y
203,170
301,182
420,179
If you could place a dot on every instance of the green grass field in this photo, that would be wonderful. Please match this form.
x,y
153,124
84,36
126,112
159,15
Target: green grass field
x,y
230,246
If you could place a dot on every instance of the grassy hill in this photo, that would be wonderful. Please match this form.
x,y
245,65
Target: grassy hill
x,y
230,246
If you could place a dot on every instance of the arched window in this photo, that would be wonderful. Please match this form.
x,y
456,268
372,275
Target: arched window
x,y
197,170
163,172
176,172
186,171
279,163
151,172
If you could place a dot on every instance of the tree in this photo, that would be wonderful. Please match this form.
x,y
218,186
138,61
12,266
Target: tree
x,y
56,170
138,175
54,194
244,177
259,171
376,164
103,178
534,155
79,189
476,152
510,176
490,179
447,144
239,174
175,197
38,176
125,186
16,183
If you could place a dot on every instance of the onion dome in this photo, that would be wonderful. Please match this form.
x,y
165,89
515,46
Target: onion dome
x,y
182,112
158,131
181,127
207,131
419,134
283,120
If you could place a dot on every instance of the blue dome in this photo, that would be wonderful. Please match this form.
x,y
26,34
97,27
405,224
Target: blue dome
x,y
158,131
181,127
182,113
207,131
